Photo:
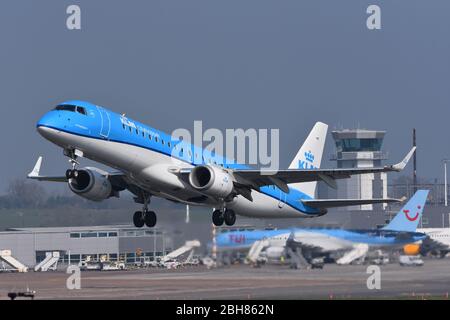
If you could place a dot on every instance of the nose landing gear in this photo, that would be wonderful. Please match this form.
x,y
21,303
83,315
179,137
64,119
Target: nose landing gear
x,y
71,173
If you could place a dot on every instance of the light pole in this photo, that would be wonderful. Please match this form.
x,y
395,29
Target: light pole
x,y
445,180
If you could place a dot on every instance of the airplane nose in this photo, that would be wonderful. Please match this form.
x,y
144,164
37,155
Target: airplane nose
x,y
42,130
46,124
49,119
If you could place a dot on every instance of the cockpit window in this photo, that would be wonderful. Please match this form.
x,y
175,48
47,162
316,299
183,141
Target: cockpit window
x,y
81,110
66,107
71,108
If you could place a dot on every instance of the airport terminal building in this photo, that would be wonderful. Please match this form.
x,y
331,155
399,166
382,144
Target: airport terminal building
x,y
123,242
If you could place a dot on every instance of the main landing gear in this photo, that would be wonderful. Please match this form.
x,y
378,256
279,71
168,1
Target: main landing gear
x,y
220,216
145,216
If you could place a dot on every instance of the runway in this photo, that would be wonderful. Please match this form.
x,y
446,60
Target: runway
x,y
240,282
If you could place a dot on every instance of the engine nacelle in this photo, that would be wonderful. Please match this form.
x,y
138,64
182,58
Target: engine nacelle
x,y
274,253
212,181
91,184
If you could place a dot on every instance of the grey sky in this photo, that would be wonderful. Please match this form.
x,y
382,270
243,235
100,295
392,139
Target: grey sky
x,y
233,63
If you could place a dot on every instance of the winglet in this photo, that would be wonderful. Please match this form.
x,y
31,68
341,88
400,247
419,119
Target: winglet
x,y
401,165
37,168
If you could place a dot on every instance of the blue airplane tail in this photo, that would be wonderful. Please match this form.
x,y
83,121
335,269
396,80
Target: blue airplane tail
x,y
407,219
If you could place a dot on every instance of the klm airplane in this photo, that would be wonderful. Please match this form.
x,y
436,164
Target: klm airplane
x,y
399,232
148,162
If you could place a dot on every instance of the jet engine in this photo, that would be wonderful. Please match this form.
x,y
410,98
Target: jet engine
x,y
212,181
411,249
89,183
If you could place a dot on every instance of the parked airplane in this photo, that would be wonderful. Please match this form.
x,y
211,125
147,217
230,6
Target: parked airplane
x,y
438,241
153,163
319,242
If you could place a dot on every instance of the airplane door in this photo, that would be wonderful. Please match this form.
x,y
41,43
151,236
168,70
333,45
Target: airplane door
x,y
105,122
282,199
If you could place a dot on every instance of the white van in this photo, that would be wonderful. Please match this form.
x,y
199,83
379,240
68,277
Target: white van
x,y
414,261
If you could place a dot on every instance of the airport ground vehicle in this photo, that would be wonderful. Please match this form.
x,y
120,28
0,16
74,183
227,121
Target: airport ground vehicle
x,y
170,264
413,261
89,265
113,266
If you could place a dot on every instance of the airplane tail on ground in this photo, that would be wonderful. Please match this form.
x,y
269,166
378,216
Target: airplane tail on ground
x,y
407,219
310,156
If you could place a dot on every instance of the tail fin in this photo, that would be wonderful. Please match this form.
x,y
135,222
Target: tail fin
x,y
407,219
310,156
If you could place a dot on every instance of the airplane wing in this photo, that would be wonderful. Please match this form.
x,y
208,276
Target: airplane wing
x,y
281,178
429,244
35,174
118,179
313,241
333,203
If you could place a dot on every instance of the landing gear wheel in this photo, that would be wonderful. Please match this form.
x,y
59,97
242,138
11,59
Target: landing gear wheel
x,y
71,173
138,219
217,218
229,217
150,219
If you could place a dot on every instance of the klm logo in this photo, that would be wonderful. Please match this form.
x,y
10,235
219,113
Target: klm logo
x,y
308,164
309,156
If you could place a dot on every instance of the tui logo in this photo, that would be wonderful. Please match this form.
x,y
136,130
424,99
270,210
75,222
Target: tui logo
x,y
239,238
406,212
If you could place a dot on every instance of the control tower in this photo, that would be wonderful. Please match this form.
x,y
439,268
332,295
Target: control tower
x,y
358,148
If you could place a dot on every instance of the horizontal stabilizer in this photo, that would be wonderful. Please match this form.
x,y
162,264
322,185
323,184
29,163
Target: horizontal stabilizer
x,y
332,203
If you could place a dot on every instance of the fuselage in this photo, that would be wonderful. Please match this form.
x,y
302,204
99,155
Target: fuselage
x,y
327,239
148,157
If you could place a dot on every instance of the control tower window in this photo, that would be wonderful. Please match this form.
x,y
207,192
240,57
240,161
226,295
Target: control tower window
x,y
356,145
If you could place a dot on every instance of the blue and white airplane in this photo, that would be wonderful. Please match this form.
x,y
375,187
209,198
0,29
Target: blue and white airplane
x,y
399,232
149,162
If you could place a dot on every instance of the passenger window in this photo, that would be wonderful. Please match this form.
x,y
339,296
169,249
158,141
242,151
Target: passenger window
x,y
162,141
168,144
156,139
137,132
123,125
150,137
